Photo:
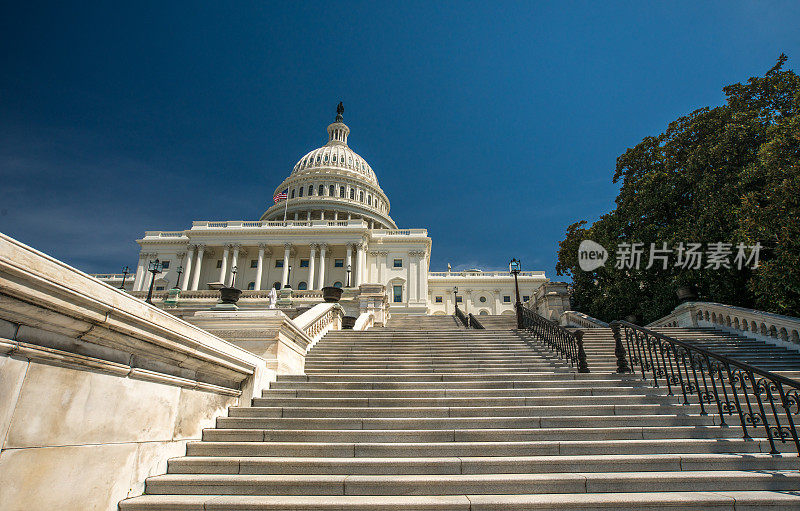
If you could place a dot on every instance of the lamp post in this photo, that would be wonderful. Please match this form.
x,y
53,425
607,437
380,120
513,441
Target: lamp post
x,y
233,275
515,267
155,268
178,280
348,275
455,297
125,272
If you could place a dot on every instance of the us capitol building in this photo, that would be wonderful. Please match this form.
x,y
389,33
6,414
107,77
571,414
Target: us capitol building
x,y
330,225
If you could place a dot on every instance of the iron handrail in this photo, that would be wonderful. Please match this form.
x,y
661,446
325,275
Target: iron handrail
x,y
475,323
462,317
566,343
713,379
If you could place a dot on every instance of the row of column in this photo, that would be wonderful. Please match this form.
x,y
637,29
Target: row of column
x,y
194,256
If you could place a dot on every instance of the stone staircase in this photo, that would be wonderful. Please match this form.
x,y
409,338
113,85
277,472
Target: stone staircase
x,y
468,420
498,321
411,322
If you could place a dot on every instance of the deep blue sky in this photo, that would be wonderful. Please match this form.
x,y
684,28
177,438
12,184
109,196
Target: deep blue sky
x,y
495,125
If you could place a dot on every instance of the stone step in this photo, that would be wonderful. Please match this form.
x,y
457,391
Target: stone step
x,y
520,448
425,402
458,393
631,383
455,484
481,465
468,435
656,501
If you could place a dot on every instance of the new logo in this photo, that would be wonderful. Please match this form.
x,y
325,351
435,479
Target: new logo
x,y
591,255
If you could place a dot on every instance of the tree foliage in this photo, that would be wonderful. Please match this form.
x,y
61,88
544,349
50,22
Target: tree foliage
x,y
726,174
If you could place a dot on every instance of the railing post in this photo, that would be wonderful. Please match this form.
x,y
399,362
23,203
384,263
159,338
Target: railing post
x,y
583,367
619,350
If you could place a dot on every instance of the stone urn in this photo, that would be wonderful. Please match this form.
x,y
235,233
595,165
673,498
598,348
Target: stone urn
x,y
229,294
331,294
686,293
348,322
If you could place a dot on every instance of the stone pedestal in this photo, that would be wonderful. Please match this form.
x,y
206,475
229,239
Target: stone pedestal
x,y
285,297
172,297
372,298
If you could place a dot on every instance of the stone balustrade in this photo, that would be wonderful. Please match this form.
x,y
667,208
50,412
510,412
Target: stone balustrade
x,y
98,388
773,328
365,320
580,320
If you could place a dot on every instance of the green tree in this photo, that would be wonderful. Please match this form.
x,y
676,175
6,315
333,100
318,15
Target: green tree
x,y
725,174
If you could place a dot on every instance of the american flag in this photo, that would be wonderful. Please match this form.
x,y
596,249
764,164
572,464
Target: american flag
x,y
281,196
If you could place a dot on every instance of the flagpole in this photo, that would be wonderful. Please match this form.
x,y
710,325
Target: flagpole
x,y
286,207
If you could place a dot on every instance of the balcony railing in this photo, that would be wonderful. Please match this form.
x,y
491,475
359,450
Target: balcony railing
x,y
758,399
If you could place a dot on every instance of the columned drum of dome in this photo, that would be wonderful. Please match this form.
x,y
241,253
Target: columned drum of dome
x,y
333,183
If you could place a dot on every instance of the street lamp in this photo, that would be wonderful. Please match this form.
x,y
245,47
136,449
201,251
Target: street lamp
x,y
348,275
455,296
515,267
178,280
155,268
233,275
288,278
125,272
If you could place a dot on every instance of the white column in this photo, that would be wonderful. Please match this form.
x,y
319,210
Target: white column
x,y
140,269
287,249
223,269
198,265
412,276
322,248
348,264
187,267
234,263
311,265
422,277
360,264
380,261
260,267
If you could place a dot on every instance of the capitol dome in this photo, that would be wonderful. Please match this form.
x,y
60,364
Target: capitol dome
x,y
332,183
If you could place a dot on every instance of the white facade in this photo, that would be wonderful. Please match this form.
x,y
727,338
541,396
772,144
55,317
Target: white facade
x,y
336,217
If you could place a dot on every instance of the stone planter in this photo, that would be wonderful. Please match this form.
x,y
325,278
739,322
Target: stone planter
x,y
348,322
331,294
229,294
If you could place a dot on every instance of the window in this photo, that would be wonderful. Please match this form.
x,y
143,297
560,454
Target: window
x,y
338,263
303,263
398,263
361,196
526,298
219,263
321,190
253,263
164,265
317,158
278,263
506,299
292,194
398,294
332,190
325,158
352,193
300,192
251,286
337,284
310,190
459,299
276,285
302,286
482,299
159,288
342,192
369,200
438,299
333,158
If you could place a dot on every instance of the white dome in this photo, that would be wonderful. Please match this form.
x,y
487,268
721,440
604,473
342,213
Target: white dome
x,y
335,156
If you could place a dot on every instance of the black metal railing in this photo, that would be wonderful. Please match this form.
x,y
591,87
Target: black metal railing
x,y
566,343
759,399
473,321
462,317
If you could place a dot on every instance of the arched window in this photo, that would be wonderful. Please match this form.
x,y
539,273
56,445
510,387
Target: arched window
x,y
321,190
276,285
331,190
251,285
352,193
369,200
310,190
317,158
300,192
337,284
361,196
302,286
341,192
292,194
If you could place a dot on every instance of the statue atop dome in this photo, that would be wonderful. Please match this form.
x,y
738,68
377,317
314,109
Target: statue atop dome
x,y
339,112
